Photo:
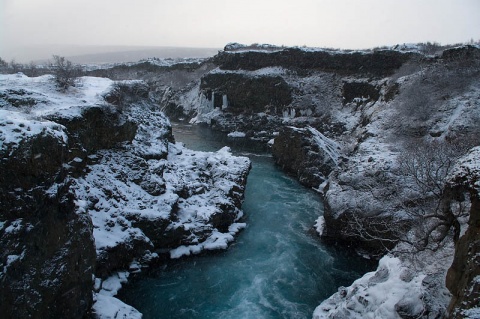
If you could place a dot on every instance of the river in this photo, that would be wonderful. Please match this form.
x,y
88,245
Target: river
x,y
276,268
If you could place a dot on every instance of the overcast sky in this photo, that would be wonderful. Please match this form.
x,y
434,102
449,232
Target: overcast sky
x,y
213,23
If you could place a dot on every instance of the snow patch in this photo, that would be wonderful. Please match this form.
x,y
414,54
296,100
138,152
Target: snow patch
x,y
16,127
377,294
108,307
467,169
236,134
216,240
320,225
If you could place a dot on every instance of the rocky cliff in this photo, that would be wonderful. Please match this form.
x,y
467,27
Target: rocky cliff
x,y
93,187
464,274
376,63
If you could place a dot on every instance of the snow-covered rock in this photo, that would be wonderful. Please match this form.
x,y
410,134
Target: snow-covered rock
x,y
395,290
72,159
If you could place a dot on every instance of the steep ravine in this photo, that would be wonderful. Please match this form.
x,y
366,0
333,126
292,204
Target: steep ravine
x,y
345,124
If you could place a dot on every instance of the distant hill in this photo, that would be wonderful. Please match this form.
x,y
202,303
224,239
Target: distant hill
x,y
103,54
135,55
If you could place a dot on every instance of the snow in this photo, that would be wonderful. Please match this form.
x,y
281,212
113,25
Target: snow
x,y
11,259
472,313
112,284
48,100
376,294
216,240
141,182
15,226
236,134
107,307
267,71
26,103
160,62
16,127
369,183
319,225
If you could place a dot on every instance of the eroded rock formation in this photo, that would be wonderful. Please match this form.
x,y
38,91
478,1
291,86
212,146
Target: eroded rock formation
x,y
90,188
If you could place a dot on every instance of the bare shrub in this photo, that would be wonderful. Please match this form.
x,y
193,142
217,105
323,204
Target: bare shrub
x,y
125,93
3,65
431,48
14,67
65,72
426,211
31,69
425,166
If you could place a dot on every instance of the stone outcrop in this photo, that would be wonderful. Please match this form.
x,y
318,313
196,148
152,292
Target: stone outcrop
x,y
462,53
463,277
354,91
246,94
376,63
48,253
97,127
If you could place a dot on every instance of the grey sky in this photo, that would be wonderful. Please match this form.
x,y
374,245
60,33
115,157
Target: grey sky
x,y
213,23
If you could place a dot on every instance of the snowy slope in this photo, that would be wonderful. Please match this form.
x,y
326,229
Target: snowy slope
x,y
429,106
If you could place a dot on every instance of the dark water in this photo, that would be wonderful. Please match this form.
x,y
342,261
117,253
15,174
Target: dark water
x,y
277,268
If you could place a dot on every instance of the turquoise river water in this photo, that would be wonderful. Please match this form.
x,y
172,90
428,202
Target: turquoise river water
x,y
276,268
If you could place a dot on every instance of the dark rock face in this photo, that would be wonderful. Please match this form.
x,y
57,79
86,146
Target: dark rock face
x,y
48,252
306,154
340,231
377,63
47,245
463,276
361,90
247,94
462,53
98,128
